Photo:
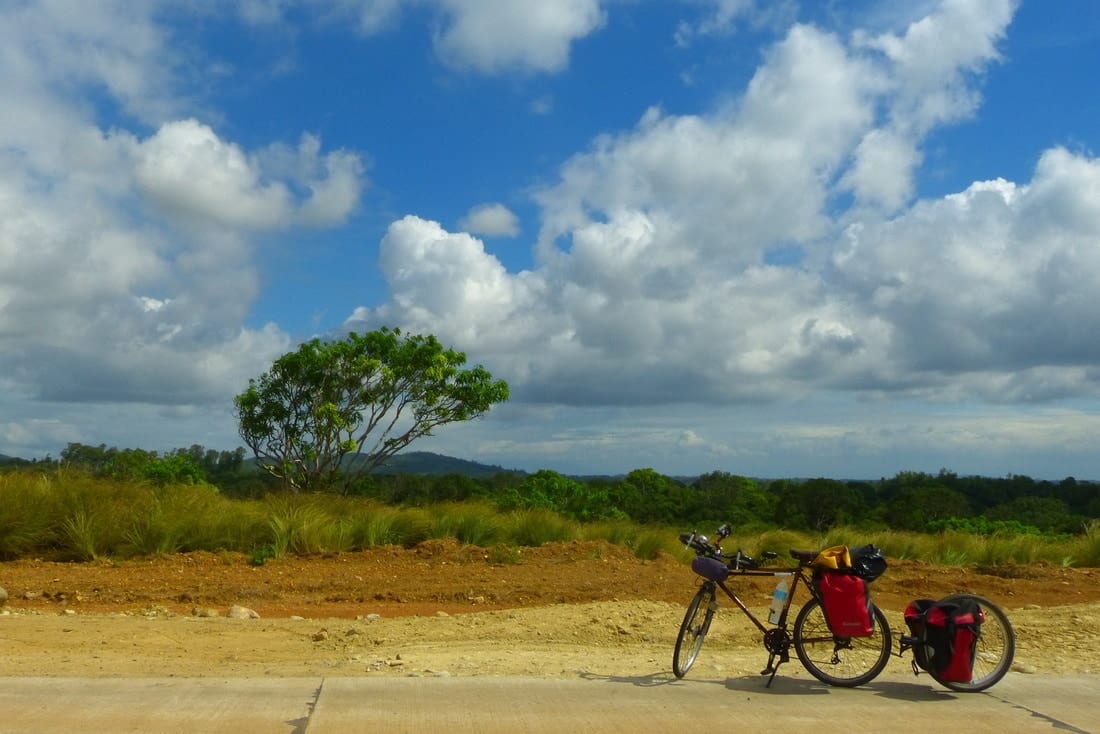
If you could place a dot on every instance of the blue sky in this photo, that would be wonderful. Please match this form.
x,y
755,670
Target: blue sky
x,y
773,238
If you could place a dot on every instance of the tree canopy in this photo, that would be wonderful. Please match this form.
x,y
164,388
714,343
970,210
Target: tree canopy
x,y
309,419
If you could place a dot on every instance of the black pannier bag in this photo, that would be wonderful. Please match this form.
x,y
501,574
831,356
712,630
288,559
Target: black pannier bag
x,y
868,562
947,634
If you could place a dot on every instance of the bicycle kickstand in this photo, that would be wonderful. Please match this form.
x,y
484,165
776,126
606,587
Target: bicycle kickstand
x,y
778,644
772,669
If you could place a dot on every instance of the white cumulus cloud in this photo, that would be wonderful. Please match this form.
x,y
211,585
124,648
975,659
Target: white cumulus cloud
x,y
491,36
491,220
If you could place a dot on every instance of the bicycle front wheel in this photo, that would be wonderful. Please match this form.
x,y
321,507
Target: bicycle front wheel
x,y
693,630
995,650
840,661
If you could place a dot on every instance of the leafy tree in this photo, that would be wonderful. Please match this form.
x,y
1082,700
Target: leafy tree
x,y
550,490
1077,495
1046,513
454,487
816,504
916,507
647,496
176,467
318,406
731,498
216,464
92,458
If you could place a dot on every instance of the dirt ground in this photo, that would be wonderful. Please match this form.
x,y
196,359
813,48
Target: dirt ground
x,y
562,610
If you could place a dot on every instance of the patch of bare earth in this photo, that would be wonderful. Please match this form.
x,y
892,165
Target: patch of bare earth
x,y
562,610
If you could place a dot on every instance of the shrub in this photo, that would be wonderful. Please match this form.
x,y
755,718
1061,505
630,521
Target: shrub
x,y
650,543
471,523
537,527
781,542
374,525
27,512
616,532
184,517
412,526
94,515
982,525
504,555
301,525
1087,546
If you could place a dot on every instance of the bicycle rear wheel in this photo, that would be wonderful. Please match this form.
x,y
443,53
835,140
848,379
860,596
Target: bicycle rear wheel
x,y
995,650
693,630
840,661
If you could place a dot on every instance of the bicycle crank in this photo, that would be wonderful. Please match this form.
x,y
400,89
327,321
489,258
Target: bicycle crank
x,y
778,642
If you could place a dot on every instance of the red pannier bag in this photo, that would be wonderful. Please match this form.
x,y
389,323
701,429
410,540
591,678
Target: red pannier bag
x,y
846,603
950,634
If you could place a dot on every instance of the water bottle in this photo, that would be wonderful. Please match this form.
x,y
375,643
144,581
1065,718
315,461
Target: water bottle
x,y
779,598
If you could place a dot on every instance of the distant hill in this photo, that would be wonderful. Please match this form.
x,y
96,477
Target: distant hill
x,y
5,459
425,462
429,464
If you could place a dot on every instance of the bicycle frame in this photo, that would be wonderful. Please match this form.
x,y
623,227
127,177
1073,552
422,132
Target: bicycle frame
x,y
798,574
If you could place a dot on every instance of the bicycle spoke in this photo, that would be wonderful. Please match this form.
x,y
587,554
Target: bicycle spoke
x,y
693,631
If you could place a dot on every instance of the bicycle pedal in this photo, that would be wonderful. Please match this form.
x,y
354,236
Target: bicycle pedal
x,y
768,671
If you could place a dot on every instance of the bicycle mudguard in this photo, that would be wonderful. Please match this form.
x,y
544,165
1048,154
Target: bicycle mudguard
x,y
710,568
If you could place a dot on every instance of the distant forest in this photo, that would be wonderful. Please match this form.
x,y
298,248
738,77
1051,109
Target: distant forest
x,y
907,501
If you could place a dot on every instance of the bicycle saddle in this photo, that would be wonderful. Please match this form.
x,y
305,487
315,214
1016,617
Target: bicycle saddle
x,y
803,557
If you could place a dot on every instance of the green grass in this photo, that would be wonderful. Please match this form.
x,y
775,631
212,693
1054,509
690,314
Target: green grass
x,y
471,523
537,527
68,515
376,525
504,555
1086,552
27,515
650,543
616,532
178,518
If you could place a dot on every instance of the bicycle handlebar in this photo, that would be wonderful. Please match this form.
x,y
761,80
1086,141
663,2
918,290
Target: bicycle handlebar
x,y
703,547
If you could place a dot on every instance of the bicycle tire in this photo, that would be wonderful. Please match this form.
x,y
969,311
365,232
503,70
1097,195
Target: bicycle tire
x,y
693,630
996,648
840,661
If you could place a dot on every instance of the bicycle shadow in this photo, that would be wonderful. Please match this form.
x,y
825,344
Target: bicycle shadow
x,y
785,686
788,686
658,678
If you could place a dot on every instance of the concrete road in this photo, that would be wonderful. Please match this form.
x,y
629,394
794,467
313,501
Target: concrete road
x,y
1020,703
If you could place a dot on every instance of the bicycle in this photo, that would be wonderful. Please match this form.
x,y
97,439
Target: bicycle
x,y
833,659
994,651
